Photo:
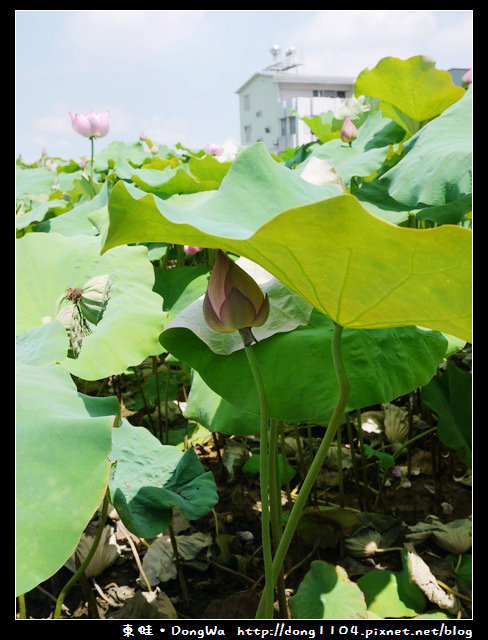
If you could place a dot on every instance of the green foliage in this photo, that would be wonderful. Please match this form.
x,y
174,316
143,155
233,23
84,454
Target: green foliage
x,y
149,479
449,396
326,593
373,236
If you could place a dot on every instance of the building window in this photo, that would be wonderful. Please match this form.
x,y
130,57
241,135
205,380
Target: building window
x,y
325,93
247,102
247,134
267,129
283,126
292,127
259,114
341,94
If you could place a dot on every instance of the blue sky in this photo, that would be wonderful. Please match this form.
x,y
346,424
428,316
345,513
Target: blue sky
x,y
174,74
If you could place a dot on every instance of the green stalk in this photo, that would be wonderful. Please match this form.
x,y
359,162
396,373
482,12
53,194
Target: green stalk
x,y
267,596
86,561
92,188
275,508
308,483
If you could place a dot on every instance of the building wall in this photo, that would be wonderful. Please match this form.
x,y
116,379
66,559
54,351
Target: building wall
x,y
271,108
257,104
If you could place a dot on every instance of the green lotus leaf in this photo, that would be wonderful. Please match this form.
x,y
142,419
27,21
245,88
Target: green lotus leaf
x,y
450,397
412,91
149,479
47,264
367,152
63,439
41,211
166,177
206,407
436,168
359,270
381,364
132,152
85,218
392,594
326,593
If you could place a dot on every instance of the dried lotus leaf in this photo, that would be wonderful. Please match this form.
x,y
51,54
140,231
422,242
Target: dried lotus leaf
x,y
396,423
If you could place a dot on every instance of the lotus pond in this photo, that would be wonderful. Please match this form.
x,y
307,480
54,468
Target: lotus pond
x,y
244,379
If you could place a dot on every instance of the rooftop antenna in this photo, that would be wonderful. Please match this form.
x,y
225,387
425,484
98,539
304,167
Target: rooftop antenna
x,y
279,64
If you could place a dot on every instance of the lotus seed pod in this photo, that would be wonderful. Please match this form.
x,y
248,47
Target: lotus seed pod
x,y
93,301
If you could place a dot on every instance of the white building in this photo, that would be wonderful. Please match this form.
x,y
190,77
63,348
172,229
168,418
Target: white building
x,y
273,101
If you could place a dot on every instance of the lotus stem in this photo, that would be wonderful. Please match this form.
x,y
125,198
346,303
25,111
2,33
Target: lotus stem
x,y
81,569
267,597
308,483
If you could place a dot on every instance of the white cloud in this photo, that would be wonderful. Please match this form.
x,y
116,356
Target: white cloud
x,y
126,37
346,42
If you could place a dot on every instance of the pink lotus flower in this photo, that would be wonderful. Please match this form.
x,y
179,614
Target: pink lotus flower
x,y
467,78
214,149
91,125
190,251
349,131
234,301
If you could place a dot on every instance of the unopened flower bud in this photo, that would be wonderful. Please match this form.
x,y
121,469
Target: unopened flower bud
x,y
349,131
233,301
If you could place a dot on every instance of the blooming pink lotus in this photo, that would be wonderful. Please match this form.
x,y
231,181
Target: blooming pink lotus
x,y
91,125
349,131
214,149
234,301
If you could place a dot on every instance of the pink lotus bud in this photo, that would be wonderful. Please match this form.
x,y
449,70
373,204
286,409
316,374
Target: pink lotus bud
x,y
91,125
83,162
190,251
214,149
142,136
233,301
349,131
467,78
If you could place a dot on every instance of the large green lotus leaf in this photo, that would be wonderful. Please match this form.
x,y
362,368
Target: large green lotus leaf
x,y
41,211
164,179
366,153
298,372
48,263
45,344
150,478
216,414
361,271
450,396
326,593
82,219
437,166
413,88
255,190
62,442
132,152
39,181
